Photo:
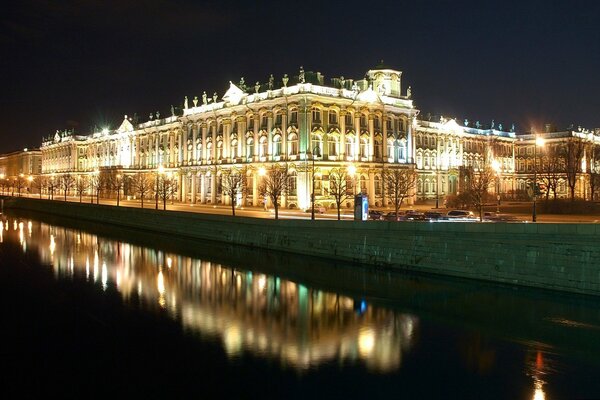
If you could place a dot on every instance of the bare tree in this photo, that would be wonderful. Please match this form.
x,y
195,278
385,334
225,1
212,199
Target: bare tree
x,y
95,186
550,170
233,184
478,185
167,187
142,185
67,182
81,186
572,154
338,187
399,184
20,183
52,185
114,182
594,172
39,182
274,184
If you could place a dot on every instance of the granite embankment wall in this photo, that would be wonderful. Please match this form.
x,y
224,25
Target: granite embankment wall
x,y
563,257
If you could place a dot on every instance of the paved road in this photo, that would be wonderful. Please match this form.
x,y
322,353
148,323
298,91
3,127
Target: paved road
x,y
259,212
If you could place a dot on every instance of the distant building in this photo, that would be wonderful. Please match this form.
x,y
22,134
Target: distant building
x,y
17,169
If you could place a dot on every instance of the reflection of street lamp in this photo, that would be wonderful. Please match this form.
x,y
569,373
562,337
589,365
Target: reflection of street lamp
x,y
352,173
538,142
316,153
2,176
497,167
160,170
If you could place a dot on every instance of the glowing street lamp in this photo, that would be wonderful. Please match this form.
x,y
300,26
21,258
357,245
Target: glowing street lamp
x,y
262,172
497,167
352,173
538,142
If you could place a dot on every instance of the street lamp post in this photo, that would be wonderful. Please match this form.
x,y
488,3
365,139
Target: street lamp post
x,y
315,153
537,142
496,166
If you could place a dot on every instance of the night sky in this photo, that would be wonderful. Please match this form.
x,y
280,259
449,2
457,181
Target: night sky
x,y
80,64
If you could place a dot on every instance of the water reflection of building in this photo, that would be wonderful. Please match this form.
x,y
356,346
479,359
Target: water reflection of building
x,y
248,311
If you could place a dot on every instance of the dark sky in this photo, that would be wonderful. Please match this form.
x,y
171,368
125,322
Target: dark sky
x,y
71,63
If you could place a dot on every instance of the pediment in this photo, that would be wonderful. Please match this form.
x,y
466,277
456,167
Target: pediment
x,y
234,94
126,126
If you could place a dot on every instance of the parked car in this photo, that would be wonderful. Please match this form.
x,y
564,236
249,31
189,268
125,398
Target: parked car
x,y
318,209
412,215
376,215
433,215
391,216
496,217
460,214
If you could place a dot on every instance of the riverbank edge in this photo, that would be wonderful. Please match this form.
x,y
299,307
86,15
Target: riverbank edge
x,y
563,257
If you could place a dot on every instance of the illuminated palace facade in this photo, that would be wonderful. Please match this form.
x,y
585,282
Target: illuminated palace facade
x,y
371,124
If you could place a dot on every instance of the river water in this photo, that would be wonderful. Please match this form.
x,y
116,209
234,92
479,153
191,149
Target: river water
x,y
90,310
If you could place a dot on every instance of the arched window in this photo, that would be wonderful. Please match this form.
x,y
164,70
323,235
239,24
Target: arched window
x,y
209,149
332,145
234,149
219,149
350,146
250,147
348,120
292,184
316,146
293,144
263,146
378,185
363,121
364,147
333,119
390,149
363,184
316,116
378,149
277,145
